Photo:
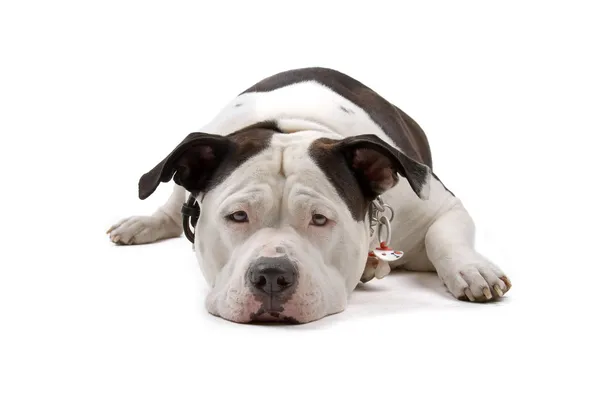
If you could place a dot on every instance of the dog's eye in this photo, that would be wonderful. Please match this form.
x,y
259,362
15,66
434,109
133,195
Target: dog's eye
x,y
238,216
319,220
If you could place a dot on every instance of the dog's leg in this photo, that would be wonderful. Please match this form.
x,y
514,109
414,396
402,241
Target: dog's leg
x,y
449,243
166,222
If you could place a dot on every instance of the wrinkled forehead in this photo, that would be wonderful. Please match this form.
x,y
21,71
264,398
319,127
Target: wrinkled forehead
x,y
284,164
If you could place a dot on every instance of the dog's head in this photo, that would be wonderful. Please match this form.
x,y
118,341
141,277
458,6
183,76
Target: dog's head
x,y
283,232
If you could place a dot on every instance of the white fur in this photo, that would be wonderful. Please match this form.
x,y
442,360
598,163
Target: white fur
x,y
280,188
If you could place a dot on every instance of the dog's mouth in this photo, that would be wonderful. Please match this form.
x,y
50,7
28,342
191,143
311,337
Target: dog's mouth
x,y
272,316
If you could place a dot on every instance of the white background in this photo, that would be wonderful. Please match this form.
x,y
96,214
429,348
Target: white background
x,y
93,94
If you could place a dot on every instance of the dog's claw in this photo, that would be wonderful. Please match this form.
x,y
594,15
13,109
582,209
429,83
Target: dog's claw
x,y
506,282
498,291
116,239
469,294
487,293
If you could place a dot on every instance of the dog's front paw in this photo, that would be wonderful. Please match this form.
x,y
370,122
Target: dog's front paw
x,y
143,229
480,281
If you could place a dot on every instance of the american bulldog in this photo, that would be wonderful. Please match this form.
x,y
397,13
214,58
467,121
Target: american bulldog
x,y
302,186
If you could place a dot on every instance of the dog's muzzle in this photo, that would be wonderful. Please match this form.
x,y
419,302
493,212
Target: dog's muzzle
x,y
272,281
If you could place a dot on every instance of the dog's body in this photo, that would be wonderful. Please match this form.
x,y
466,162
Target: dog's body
x,y
285,175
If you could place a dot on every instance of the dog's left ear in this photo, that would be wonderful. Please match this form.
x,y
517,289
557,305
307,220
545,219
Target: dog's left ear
x,y
376,166
191,164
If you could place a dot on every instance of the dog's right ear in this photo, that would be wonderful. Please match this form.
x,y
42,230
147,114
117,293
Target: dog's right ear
x,y
191,164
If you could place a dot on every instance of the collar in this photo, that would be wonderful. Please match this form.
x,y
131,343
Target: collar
x,y
190,212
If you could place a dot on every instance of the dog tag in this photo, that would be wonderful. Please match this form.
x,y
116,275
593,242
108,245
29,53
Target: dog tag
x,y
384,253
370,267
382,270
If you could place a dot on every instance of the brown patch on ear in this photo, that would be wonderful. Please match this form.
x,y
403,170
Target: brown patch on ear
x,y
333,163
190,164
376,168
361,168
248,142
376,165
203,160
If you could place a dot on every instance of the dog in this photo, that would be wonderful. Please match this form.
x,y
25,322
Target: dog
x,y
304,185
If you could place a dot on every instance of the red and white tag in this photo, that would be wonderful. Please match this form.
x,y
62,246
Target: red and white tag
x,y
382,270
384,253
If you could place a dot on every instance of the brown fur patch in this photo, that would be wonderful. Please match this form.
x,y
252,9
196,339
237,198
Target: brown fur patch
x,y
201,160
335,166
402,129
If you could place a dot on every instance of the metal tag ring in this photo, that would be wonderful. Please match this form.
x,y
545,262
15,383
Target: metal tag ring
x,y
391,211
379,204
384,221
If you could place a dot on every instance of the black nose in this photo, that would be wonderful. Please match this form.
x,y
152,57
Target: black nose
x,y
273,275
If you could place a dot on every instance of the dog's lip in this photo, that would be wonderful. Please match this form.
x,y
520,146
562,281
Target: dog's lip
x,y
273,312
272,315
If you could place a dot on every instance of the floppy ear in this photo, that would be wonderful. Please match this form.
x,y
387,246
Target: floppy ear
x,y
191,164
376,166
